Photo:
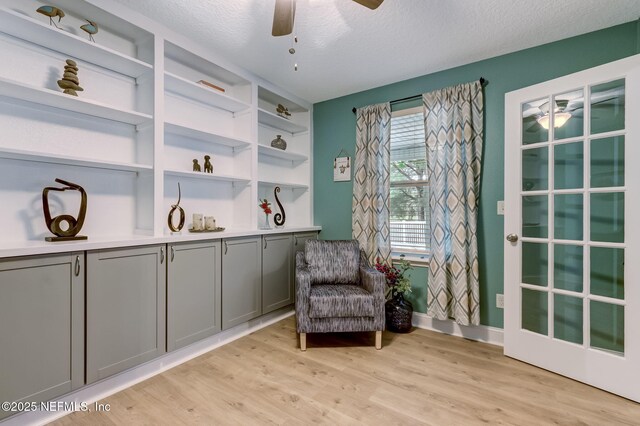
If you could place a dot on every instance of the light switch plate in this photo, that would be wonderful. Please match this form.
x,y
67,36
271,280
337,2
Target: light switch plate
x,y
501,207
500,301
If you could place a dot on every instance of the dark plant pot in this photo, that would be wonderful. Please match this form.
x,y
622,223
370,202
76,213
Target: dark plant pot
x,y
398,313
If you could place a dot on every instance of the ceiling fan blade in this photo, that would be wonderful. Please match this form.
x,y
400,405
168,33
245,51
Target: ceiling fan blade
x,y
371,4
283,17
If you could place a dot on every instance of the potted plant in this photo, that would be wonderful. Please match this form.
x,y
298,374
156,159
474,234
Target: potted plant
x,y
398,310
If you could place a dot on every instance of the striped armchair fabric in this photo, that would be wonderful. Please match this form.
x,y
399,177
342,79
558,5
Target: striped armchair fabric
x,y
337,290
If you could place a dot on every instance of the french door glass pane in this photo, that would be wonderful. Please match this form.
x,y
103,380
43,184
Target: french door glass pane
x,y
534,311
567,318
568,216
567,267
607,106
607,217
535,169
568,115
607,326
607,162
535,216
568,164
535,261
607,272
532,131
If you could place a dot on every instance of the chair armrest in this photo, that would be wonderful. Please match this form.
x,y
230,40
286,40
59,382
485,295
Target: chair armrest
x,y
374,282
303,289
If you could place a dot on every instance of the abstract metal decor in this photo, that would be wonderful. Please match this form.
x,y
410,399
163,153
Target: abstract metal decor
x,y
55,224
278,218
175,207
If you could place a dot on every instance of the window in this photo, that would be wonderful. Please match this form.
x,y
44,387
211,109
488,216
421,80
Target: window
x,y
409,183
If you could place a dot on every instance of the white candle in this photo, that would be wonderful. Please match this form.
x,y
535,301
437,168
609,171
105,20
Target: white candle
x,y
197,222
209,223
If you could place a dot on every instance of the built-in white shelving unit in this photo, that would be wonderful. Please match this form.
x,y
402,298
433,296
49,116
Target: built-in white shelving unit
x,y
132,135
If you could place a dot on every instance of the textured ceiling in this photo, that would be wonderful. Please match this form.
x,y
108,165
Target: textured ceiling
x,y
345,48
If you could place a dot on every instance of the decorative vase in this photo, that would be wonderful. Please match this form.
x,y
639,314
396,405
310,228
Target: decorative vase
x,y
279,143
398,313
266,222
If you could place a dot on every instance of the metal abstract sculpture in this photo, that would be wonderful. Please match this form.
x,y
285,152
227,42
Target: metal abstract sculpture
x,y
175,207
55,224
278,218
51,12
91,28
70,82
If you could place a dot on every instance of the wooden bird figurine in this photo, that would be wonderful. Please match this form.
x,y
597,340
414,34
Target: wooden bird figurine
x,y
51,12
91,28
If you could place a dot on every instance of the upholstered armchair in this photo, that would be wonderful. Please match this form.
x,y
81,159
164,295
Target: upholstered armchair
x,y
337,291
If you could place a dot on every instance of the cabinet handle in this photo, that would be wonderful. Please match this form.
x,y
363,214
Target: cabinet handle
x,y
161,255
77,268
295,240
265,243
173,254
225,247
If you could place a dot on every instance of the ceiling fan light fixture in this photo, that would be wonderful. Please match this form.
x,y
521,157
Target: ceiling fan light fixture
x,y
560,119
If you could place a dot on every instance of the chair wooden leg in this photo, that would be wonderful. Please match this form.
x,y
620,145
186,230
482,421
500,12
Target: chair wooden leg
x,y
303,341
378,340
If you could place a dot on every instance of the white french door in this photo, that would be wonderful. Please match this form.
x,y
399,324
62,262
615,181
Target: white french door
x,y
572,224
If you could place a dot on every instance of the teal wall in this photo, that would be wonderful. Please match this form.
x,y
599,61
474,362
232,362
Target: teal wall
x,y
334,129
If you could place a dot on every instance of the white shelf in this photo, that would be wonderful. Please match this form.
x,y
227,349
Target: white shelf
x,y
17,154
207,176
25,92
43,34
200,93
204,136
283,155
277,122
283,185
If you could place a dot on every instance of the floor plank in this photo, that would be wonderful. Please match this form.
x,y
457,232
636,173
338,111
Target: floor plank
x,y
422,377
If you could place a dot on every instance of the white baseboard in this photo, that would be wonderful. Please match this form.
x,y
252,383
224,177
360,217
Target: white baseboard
x,y
480,333
102,389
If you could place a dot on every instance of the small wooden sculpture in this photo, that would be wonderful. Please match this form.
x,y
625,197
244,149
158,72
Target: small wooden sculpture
x,y
70,82
175,207
196,166
51,12
91,28
208,167
55,224
283,111
278,218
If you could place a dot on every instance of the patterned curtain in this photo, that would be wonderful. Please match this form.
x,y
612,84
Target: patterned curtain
x,y
454,131
371,186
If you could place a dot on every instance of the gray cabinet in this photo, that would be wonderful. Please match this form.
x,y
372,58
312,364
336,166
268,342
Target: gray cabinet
x,y
277,272
42,332
125,309
300,238
241,280
193,292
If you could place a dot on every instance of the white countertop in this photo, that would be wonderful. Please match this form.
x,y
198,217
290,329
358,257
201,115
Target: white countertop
x,y
30,248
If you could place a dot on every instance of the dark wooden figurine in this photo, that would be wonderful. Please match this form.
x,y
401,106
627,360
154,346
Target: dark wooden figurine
x,y
208,167
196,166
73,225
278,218
51,12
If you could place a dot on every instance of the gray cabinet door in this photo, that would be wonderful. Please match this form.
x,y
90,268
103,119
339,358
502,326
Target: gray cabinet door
x,y
193,292
125,309
241,280
300,238
277,272
42,332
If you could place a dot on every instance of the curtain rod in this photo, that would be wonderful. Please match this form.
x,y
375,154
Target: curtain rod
x,y
408,98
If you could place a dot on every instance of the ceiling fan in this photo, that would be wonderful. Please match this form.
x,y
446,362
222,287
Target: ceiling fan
x,y
285,11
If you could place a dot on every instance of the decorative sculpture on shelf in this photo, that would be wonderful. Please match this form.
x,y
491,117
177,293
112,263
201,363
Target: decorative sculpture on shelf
x,y
51,12
279,143
208,167
177,207
283,111
196,166
91,28
55,224
278,218
70,82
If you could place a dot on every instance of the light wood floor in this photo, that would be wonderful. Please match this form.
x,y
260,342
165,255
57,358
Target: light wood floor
x,y
418,378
